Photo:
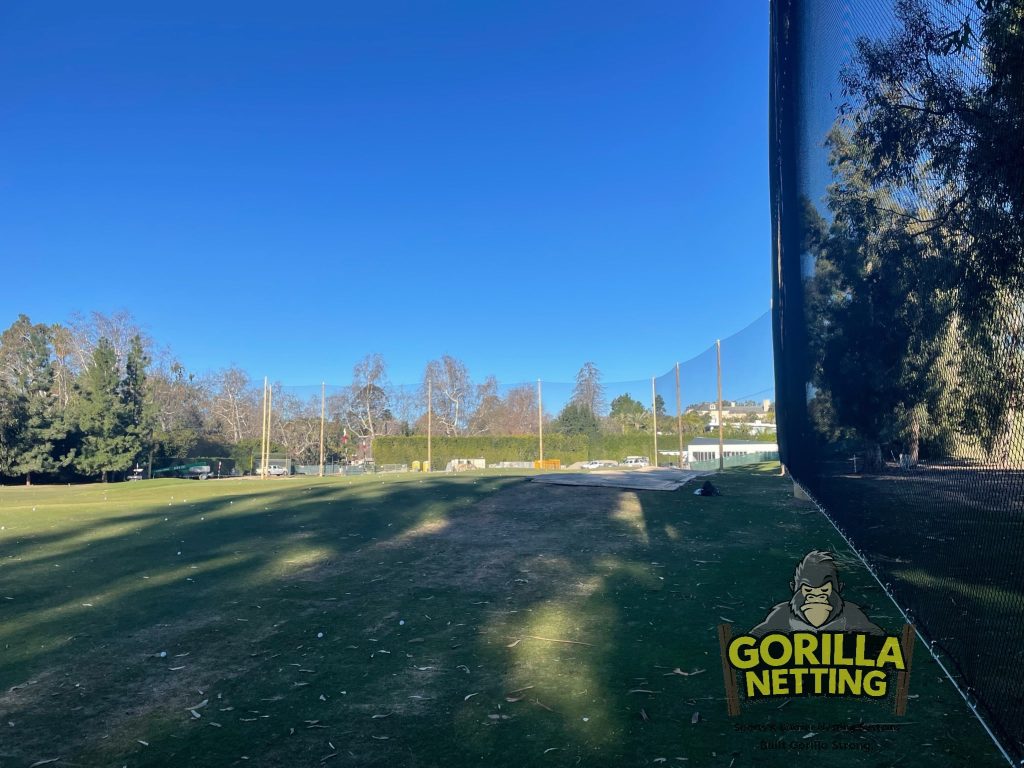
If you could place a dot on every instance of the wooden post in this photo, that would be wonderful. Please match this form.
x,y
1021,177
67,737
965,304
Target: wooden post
x,y
732,696
721,419
270,420
899,706
679,416
654,420
540,421
323,409
430,416
263,433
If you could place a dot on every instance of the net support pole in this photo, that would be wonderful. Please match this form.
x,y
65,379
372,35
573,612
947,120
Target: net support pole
x,y
679,416
721,421
263,433
540,421
654,420
270,421
430,417
323,411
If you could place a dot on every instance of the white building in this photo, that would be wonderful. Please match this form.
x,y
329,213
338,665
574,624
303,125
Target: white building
x,y
706,448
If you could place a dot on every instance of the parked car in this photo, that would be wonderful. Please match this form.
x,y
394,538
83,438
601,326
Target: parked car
x,y
274,470
593,465
635,461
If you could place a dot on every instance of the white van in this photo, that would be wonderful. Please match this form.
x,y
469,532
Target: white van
x,y
635,461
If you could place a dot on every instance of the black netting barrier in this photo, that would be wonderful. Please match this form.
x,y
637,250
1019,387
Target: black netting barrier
x,y
897,148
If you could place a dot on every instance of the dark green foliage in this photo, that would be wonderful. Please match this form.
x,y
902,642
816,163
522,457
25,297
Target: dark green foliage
x,y
406,450
576,419
913,307
628,414
108,414
32,426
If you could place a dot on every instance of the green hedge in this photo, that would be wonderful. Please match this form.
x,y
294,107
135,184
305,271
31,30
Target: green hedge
x,y
406,450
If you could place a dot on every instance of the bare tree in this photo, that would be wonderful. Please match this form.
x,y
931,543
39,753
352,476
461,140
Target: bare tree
x,y
119,329
296,425
369,397
513,414
234,403
179,403
589,391
453,395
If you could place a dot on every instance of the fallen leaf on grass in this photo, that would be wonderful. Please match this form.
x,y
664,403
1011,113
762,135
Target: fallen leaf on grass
x,y
642,690
44,762
380,738
215,725
644,716
471,695
514,699
551,749
513,645
381,717
143,743
200,705
695,718
678,671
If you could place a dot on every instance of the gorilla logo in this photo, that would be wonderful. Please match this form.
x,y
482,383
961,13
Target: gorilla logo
x,y
817,604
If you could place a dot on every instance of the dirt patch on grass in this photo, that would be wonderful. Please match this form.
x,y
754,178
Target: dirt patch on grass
x,y
491,544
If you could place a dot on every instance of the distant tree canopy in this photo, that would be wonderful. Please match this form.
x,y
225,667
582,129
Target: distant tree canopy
x,y
576,418
92,400
915,303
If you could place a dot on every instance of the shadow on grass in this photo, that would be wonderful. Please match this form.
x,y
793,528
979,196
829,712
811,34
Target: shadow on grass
x,y
444,622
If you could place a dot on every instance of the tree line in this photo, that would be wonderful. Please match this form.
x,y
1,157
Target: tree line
x,y
914,304
95,397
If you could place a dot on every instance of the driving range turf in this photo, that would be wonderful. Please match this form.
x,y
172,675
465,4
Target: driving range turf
x,y
408,621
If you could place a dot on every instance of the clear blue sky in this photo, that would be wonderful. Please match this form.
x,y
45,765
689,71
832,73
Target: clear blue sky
x,y
288,186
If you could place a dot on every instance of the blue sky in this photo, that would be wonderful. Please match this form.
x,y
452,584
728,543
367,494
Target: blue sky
x,y
286,187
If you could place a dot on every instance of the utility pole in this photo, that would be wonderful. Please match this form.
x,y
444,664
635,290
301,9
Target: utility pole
x,y
721,420
323,408
679,416
263,433
430,415
540,421
654,420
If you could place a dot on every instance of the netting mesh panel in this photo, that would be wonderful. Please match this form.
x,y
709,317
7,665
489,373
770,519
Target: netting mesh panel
x,y
897,141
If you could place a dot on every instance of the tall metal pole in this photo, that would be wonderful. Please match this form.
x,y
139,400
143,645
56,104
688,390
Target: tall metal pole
x,y
721,421
430,416
540,420
323,410
679,416
263,433
654,420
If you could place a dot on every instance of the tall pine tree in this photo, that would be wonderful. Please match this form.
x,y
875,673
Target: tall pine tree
x,y
109,411
33,426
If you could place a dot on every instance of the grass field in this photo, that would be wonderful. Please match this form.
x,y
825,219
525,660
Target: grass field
x,y
403,621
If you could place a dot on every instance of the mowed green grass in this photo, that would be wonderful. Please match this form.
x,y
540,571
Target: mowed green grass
x,y
410,621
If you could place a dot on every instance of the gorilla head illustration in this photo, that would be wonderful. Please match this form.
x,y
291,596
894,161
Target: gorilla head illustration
x,y
817,604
